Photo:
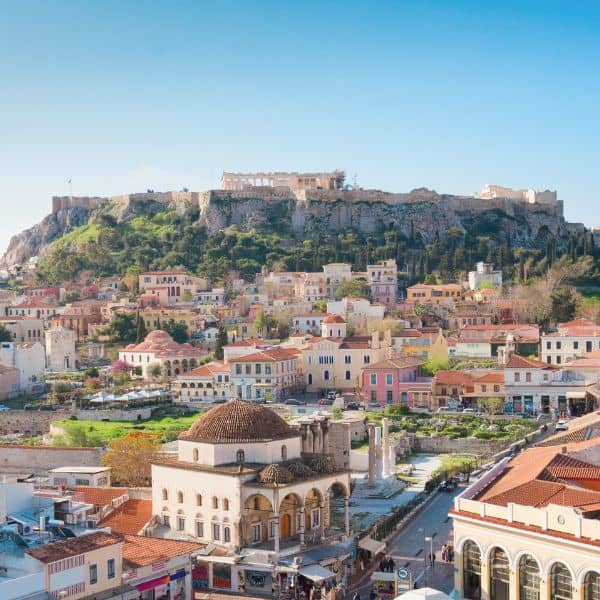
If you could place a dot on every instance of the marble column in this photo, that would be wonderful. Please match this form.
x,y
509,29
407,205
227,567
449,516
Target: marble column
x,y
321,519
372,457
276,534
347,515
385,446
302,525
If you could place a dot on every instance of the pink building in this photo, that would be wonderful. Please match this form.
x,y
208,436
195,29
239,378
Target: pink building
x,y
396,381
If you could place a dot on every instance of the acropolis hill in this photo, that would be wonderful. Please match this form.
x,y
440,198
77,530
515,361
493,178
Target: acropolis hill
x,y
304,204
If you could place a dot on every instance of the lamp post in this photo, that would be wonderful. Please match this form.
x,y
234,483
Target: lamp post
x,y
429,559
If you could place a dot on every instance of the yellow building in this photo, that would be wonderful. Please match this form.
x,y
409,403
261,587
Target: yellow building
x,y
81,567
422,293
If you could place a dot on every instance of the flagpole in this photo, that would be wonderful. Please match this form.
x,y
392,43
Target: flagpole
x,y
70,187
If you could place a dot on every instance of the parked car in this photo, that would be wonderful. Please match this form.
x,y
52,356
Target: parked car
x,y
562,425
331,394
444,409
470,411
353,406
325,402
448,486
3,408
294,402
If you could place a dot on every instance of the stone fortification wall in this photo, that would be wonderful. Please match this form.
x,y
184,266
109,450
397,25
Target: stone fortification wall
x,y
29,422
443,445
91,202
161,197
40,459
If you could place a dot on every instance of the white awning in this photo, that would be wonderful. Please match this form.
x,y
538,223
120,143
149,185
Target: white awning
x,y
371,545
383,576
576,395
316,573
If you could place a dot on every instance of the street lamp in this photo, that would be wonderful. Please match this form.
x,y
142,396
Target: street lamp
x,y
429,559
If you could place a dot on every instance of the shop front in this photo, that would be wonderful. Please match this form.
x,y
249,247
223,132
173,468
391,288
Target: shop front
x,y
384,584
257,582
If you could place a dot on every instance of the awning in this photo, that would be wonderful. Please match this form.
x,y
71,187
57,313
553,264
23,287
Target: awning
x,y
316,573
371,545
383,576
576,395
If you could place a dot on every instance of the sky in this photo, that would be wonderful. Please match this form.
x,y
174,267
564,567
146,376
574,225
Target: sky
x,y
124,96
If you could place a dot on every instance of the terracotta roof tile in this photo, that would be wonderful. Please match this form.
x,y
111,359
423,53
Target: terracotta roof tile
x,y
100,496
141,551
130,517
74,546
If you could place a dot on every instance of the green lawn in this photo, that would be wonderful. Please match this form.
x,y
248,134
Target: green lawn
x,y
104,431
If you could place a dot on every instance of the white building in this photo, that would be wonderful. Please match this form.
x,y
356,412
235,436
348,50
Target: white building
x,y
242,480
528,528
356,309
308,322
60,349
571,340
484,276
29,358
75,476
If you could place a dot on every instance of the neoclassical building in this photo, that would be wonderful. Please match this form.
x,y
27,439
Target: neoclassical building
x,y
159,347
241,480
529,529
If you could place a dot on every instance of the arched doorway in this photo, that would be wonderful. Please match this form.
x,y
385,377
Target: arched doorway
x,y
499,575
258,515
285,526
561,582
471,571
591,586
312,505
289,513
529,578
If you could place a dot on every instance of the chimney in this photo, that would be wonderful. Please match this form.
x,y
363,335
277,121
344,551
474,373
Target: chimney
x,y
563,450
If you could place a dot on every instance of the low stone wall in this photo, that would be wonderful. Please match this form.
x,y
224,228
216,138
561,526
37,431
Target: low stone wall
x,y
40,459
445,445
117,414
34,422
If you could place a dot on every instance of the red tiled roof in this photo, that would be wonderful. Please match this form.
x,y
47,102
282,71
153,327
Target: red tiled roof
x,y
563,466
141,551
247,342
333,319
496,377
130,517
521,362
74,546
272,355
100,496
452,377
207,370
393,363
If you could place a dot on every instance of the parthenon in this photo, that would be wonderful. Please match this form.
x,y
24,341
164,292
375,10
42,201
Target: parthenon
x,y
333,180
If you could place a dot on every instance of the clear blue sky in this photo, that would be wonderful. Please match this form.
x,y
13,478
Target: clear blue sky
x,y
124,96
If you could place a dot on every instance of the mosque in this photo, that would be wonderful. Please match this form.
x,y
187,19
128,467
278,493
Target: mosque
x,y
258,493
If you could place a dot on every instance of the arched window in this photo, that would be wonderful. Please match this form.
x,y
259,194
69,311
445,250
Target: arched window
x,y
471,571
499,575
165,494
240,457
284,452
215,502
529,578
310,379
225,504
196,454
198,499
561,582
326,375
591,586
180,497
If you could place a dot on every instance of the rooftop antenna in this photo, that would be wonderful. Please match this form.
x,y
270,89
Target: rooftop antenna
x,y
354,179
70,182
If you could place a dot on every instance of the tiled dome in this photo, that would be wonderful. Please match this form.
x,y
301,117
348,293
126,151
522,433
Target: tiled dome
x,y
333,319
275,474
322,464
238,421
299,470
158,336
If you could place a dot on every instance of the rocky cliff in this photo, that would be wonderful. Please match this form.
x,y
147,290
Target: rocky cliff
x,y
305,214
36,240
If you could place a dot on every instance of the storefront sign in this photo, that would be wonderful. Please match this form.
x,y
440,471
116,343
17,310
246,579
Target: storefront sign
x,y
200,576
149,585
222,577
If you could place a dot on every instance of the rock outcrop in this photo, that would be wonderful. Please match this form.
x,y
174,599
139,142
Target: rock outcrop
x,y
36,240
